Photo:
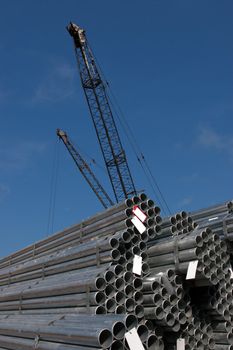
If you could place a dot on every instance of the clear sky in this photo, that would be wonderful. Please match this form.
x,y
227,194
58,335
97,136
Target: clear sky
x,y
170,65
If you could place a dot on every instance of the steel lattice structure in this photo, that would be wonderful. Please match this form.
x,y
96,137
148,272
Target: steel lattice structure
x,y
86,171
105,127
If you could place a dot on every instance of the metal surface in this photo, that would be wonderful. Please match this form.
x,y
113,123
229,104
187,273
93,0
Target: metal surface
x,y
85,294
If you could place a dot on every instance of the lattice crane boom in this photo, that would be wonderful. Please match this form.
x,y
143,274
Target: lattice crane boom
x,y
86,171
102,117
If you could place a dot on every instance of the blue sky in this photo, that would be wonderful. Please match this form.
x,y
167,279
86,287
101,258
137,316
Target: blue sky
x,y
170,65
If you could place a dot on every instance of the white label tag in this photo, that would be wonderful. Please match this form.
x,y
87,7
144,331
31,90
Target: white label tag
x,y
215,218
133,340
231,272
137,265
139,213
192,269
180,344
138,224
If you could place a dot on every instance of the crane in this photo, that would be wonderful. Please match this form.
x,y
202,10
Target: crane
x,y
85,170
102,117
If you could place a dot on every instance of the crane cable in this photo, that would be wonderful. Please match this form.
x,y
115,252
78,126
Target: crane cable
x,y
53,188
140,158
132,141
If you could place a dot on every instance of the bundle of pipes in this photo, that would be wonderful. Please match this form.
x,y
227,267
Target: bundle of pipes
x,y
202,214
216,301
223,335
164,301
115,219
33,283
198,334
154,332
209,296
64,331
84,270
214,305
206,328
116,273
219,218
98,225
180,223
103,224
201,245
170,308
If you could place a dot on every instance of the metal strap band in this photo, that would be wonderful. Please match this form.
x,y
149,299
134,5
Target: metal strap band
x,y
9,278
88,297
34,249
81,232
224,228
36,341
230,210
20,302
176,253
167,284
43,271
224,225
51,322
97,256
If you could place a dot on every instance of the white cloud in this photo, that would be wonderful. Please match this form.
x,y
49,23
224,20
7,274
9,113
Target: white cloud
x,y
58,85
211,139
18,156
4,191
186,201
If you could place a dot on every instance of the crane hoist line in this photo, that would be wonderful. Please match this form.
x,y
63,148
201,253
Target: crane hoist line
x,y
102,117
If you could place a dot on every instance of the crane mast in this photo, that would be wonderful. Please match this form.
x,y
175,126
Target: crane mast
x,y
86,171
102,117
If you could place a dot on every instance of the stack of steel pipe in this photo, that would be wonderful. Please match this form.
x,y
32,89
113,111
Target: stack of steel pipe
x,y
209,294
155,338
164,302
68,331
198,334
180,223
88,286
223,335
216,301
221,209
111,220
84,270
215,305
201,245
175,250
219,218
123,290
34,283
106,224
